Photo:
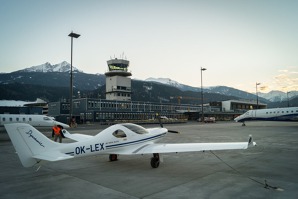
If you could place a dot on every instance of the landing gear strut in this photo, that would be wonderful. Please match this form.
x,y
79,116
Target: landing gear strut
x,y
155,160
243,124
113,157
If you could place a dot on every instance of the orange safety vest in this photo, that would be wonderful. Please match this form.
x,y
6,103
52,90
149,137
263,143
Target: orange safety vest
x,y
56,130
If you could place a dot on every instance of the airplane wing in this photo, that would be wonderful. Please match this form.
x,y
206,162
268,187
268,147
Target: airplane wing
x,y
76,136
52,156
191,147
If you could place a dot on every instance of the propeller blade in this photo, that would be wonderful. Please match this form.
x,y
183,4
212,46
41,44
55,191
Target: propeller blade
x,y
171,131
160,123
159,120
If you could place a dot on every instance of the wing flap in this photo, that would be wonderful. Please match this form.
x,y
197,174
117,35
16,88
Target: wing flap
x,y
189,147
192,147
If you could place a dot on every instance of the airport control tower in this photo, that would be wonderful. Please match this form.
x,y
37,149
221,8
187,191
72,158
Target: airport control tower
x,y
118,83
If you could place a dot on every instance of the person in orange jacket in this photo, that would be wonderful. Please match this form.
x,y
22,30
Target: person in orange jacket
x,y
56,133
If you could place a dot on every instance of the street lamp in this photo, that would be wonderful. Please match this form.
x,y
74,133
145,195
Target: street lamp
x,y
257,94
288,99
72,35
202,96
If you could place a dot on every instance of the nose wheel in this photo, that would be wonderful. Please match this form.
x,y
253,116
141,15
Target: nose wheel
x,y
155,160
113,157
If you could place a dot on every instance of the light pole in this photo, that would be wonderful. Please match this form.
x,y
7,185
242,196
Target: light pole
x,y
72,35
257,94
288,99
202,96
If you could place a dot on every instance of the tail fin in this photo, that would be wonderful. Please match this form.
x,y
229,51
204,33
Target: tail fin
x,y
28,142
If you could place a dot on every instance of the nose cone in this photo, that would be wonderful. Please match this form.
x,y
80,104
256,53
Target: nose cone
x,y
61,124
164,130
240,118
237,119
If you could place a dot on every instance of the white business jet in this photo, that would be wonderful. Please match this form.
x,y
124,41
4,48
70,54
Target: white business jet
x,y
120,139
34,120
289,114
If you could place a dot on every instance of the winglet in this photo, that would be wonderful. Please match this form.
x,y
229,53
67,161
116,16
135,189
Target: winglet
x,y
251,143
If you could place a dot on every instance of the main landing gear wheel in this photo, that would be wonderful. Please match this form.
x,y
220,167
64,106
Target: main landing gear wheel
x,y
113,157
155,160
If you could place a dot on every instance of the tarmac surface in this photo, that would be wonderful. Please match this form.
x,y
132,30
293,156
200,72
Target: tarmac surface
x,y
215,174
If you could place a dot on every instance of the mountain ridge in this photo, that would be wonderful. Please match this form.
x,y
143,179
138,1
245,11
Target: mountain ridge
x,y
57,75
272,96
48,67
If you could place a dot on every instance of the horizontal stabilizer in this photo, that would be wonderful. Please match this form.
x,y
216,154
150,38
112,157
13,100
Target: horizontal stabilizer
x,y
52,156
76,136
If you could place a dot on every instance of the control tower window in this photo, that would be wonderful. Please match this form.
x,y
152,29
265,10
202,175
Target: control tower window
x,y
118,67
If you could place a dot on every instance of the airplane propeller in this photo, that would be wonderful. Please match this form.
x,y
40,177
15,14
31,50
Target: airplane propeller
x,y
171,131
161,125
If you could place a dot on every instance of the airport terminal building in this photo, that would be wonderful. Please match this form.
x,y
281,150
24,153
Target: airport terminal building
x,y
38,107
102,110
118,107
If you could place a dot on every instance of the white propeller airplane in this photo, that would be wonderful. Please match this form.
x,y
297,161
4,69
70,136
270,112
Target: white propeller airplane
x,y
120,139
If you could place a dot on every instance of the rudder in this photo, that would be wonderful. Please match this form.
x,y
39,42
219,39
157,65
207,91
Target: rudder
x,y
28,142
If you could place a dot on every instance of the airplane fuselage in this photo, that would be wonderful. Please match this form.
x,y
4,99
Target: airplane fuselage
x,y
33,120
108,143
274,114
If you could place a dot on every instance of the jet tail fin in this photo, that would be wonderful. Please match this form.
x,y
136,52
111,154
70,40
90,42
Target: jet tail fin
x,y
28,142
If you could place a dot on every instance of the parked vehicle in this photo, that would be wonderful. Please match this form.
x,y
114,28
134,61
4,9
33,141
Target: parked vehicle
x,y
209,119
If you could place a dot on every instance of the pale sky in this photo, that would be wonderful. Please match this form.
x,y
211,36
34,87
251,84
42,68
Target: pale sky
x,y
239,42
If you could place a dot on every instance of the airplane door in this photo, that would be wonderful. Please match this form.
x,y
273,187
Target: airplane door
x,y
253,114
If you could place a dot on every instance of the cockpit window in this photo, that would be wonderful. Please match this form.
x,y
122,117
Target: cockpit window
x,y
135,128
119,134
46,118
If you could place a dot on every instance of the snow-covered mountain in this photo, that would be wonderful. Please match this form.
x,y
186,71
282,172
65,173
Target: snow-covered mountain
x,y
64,67
47,67
164,81
173,83
278,96
273,96
223,90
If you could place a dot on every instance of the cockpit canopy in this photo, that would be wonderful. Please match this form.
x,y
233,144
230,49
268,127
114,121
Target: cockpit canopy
x,y
119,133
135,128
